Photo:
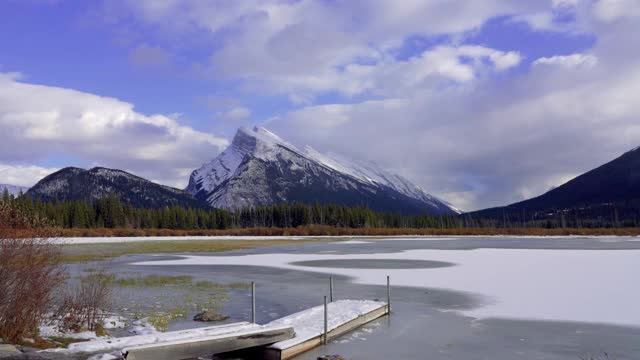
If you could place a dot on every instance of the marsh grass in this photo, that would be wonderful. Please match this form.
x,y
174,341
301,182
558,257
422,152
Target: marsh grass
x,y
196,296
101,251
153,280
161,320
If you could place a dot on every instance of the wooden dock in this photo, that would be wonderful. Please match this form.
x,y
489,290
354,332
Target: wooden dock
x,y
194,348
187,343
280,339
344,316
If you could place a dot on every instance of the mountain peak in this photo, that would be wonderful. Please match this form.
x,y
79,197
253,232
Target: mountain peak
x,y
79,184
260,168
260,133
259,137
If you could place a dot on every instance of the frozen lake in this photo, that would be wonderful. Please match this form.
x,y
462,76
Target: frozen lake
x,y
460,298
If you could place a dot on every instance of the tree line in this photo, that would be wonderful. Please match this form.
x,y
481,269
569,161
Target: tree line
x,y
111,212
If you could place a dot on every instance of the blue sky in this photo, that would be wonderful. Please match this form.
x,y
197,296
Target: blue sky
x,y
481,103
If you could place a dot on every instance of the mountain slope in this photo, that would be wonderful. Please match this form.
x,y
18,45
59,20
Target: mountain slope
x,y
612,185
79,184
260,168
14,190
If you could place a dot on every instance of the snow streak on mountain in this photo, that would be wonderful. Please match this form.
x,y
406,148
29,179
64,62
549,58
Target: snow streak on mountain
x,y
260,168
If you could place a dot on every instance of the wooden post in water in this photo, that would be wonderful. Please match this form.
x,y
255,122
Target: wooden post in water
x,y
330,288
253,302
326,322
388,295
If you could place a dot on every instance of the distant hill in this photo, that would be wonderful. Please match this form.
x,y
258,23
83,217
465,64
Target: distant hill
x,y
14,190
609,191
259,168
78,184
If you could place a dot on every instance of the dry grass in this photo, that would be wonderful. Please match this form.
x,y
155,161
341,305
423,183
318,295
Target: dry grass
x,y
85,306
94,252
318,230
30,271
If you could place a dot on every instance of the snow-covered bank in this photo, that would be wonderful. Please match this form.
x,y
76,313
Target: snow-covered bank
x,y
111,344
346,238
570,285
106,240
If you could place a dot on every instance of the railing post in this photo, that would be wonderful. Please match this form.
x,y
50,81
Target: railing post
x,y
388,295
253,302
331,289
326,322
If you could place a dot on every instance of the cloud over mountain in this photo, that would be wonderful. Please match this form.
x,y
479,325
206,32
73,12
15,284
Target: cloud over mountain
x,y
481,102
39,121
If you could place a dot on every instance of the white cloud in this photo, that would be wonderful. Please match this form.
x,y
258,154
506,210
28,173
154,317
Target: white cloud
x,y
492,142
390,77
439,116
23,175
612,10
40,121
305,48
561,3
235,114
569,61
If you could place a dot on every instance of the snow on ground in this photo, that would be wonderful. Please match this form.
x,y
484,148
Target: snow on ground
x,y
143,327
96,240
114,322
310,323
104,357
350,242
570,285
111,344
54,331
100,240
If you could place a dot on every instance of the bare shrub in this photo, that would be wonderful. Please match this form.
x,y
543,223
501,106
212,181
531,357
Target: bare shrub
x,y
86,305
30,271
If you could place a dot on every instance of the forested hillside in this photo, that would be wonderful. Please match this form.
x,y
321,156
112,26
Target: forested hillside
x,y
112,213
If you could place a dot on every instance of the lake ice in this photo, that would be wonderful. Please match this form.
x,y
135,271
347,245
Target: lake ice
x,y
597,286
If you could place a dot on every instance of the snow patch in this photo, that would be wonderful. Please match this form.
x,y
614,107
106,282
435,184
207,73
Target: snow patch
x,y
151,338
310,323
54,331
351,242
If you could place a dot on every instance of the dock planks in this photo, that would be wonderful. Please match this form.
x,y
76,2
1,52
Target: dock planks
x,y
283,338
194,348
344,316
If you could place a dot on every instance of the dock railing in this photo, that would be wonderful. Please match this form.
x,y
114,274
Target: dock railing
x,y
326,308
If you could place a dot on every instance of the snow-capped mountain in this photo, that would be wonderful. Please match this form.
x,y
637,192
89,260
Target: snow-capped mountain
x,y
14,190
260,168
78,184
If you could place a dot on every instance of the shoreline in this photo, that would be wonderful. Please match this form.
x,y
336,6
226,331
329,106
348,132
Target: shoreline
x,y
330,232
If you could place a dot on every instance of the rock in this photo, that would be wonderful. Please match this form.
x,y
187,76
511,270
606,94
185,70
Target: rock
x,y
331,357
46,355
27,349
207,316
7,350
